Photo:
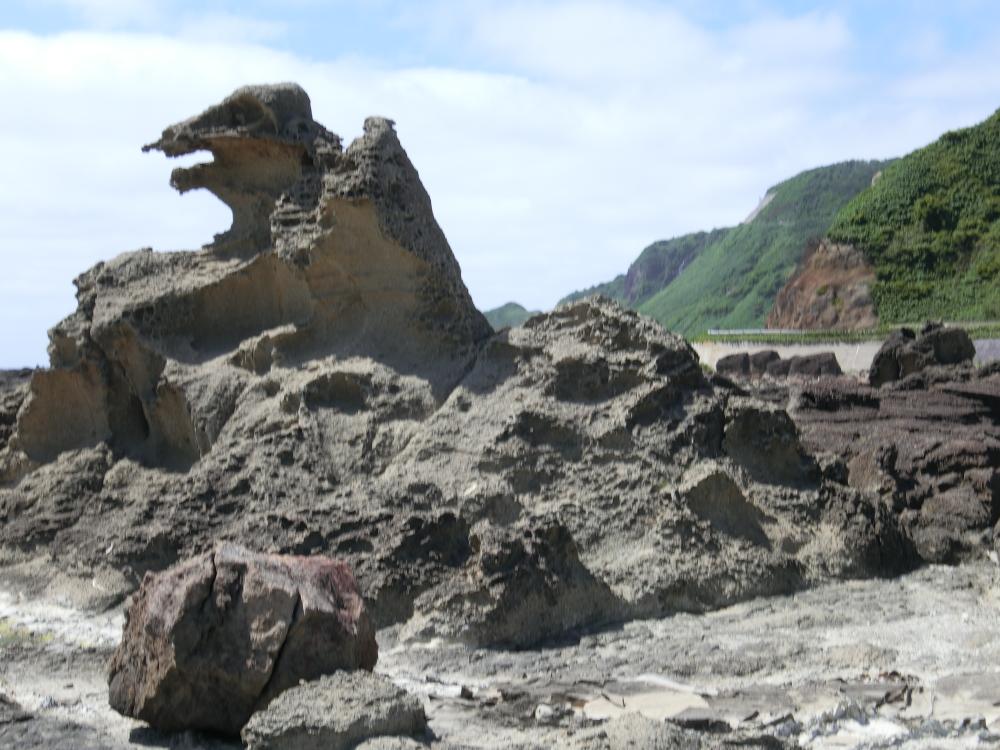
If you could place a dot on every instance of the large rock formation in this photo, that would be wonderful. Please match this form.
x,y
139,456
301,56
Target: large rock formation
x,y
330,252
318,381
211,640
831,288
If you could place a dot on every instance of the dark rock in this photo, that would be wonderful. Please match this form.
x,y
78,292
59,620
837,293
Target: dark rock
x,y
815,365
766,443
336,712
905,353
211,640
779,368
734,364
930,451
759,361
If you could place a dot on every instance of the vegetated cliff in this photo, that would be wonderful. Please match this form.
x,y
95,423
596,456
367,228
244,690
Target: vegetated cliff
x,y
318,381
508,316
656,267
729,278
930,227
733,283
831,289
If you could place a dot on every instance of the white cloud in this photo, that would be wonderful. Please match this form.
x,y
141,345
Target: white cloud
x,y
613,126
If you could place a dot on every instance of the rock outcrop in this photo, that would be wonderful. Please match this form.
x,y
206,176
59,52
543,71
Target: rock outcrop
x,y
905,353
831,288
335,713
331,251
211,640
317,381
929,446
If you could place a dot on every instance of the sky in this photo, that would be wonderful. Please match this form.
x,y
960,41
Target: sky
x,y
556,139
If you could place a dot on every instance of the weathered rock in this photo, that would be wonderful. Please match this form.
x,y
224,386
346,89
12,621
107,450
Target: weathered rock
x,y
318,381
338,251
217,637
769,362
759,361
11,712
931,450
336,712
524,584
905,353
634,731
814,365
779,368
734,364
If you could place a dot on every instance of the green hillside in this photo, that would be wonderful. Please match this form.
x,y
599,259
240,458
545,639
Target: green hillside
x,y
732,282
509,315
656,266
931,228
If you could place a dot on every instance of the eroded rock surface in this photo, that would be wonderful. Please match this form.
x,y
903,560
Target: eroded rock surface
x,y
217,637
317,381
337,712
928,445
906,353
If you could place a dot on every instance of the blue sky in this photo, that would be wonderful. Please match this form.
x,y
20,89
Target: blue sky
x,y
556,139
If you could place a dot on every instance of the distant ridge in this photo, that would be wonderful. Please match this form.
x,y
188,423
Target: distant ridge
x,y
729,278
509,315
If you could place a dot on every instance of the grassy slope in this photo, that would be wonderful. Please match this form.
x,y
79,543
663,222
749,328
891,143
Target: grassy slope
x,y
511,314
733,282
931,228
656,266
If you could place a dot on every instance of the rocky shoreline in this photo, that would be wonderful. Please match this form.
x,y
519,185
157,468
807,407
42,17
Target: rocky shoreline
x,y
309,419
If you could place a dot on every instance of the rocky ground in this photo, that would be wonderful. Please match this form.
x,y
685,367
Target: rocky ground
x,y
910,662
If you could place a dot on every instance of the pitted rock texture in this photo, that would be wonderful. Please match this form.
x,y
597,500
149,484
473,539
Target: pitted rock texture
x,y
326,387
928,445
13,390
336,712
211,640
331,251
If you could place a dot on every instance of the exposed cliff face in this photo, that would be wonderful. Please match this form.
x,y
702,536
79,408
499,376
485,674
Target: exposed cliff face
x,y
831,288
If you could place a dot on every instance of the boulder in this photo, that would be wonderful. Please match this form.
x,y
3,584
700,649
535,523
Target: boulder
x,y
734,364
759,361
213,639
779,368
335,712
815,365
906,353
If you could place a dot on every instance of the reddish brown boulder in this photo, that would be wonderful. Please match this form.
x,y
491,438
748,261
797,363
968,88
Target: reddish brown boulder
x,y
211,640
